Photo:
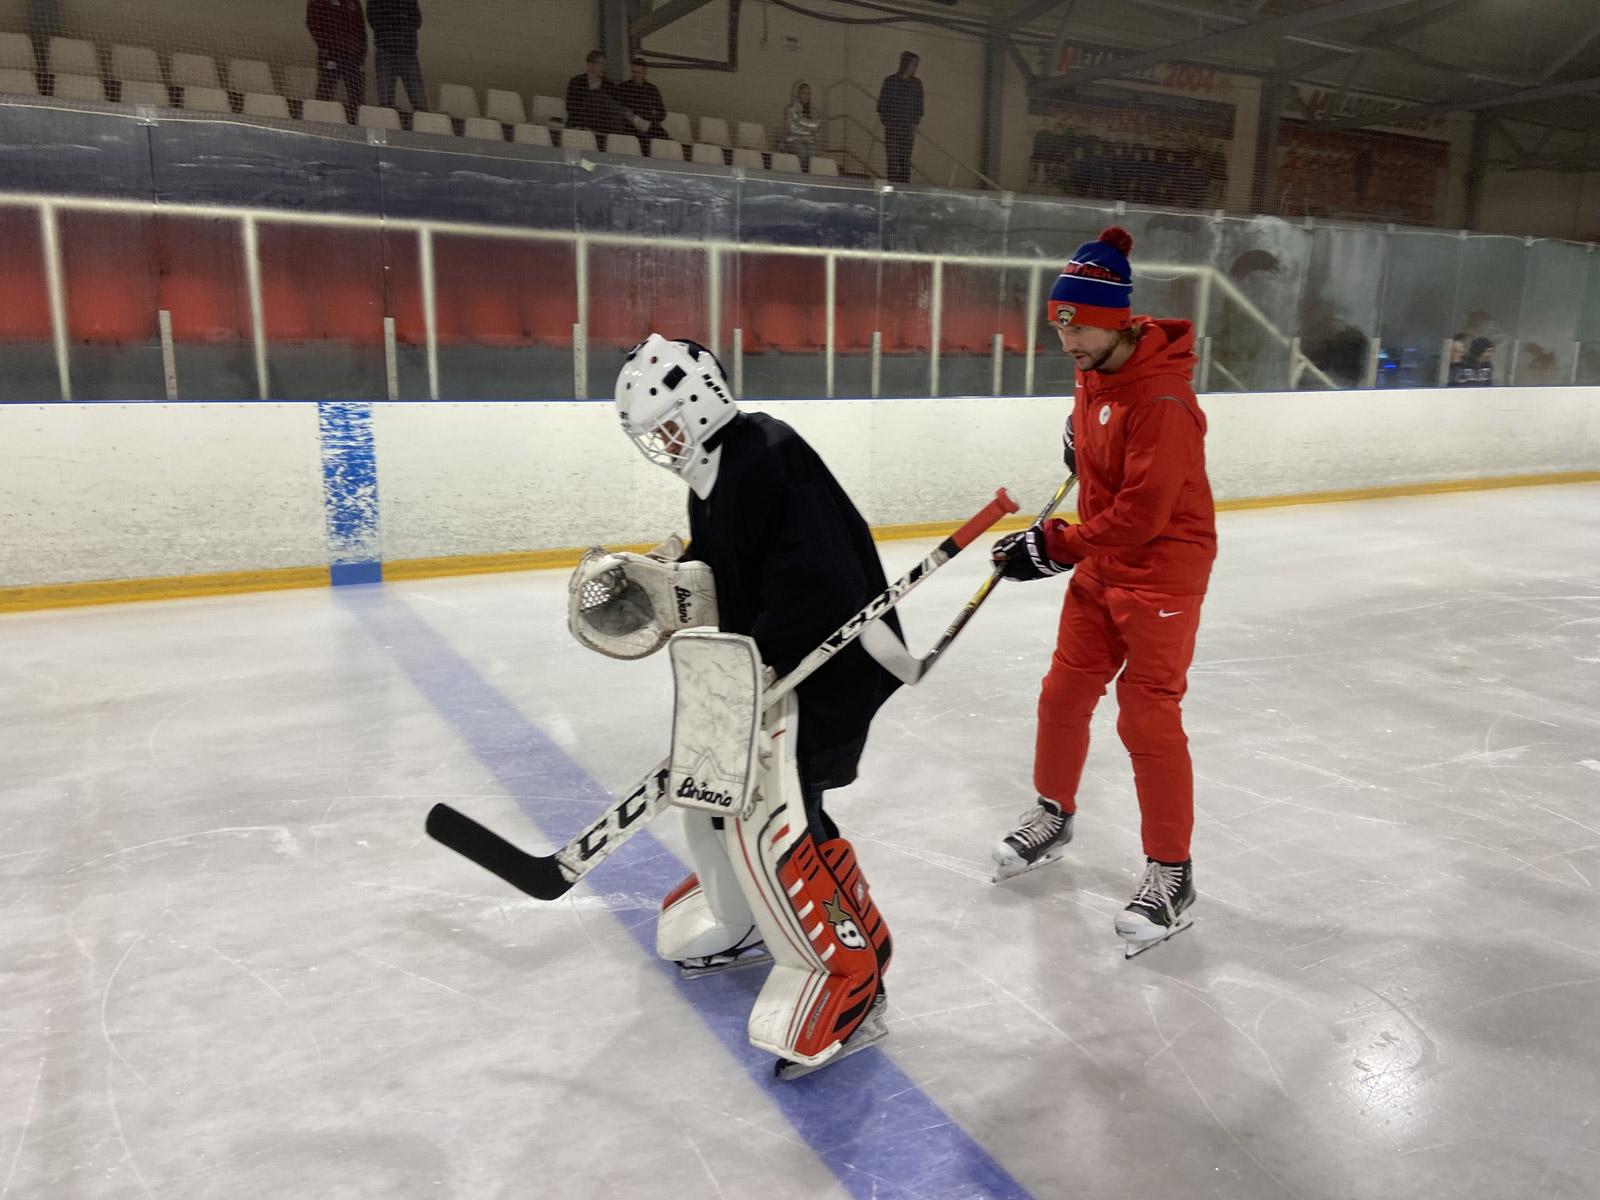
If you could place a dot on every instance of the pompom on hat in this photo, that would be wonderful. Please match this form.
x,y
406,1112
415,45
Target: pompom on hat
x,y
1096,287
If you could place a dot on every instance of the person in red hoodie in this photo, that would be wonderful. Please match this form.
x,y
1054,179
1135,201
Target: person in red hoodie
x,y
1143,552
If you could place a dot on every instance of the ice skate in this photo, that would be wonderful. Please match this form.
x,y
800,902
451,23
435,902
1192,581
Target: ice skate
x,y
872,1030
1037,841
750,953
1158,908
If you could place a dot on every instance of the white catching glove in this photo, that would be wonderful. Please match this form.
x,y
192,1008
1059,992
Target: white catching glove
x,y
628,605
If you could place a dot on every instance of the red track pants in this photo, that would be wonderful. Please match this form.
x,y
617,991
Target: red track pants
x,y
1103,628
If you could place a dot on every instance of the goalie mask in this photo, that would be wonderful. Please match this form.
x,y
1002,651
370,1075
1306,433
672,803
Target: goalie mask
x,y
671,397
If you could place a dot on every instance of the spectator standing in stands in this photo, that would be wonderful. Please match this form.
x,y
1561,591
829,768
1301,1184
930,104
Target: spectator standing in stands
x,y
595,103
339,29
394,37
1477,367
643,99
900,110
800,125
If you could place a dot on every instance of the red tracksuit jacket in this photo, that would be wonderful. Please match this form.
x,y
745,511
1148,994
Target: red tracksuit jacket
x,y
1148,522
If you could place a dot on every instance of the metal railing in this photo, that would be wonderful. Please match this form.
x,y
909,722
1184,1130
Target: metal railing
x,y
849,121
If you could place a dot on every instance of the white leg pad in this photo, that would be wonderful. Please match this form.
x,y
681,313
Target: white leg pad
x,y
707,913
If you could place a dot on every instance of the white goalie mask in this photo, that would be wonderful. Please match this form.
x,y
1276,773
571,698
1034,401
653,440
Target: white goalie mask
x,y
672,396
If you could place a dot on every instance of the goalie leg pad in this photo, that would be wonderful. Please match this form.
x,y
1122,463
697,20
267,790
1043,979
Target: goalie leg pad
x,y
707,913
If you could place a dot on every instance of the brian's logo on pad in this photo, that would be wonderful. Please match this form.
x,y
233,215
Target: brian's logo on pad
x,y
690,790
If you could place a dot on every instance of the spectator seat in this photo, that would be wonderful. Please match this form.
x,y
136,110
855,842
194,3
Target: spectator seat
x,y
266,104
18,83
484,129
140,91
746,157
135,64
70,56
824,166
458,100
194,70
714,132
623,143
432,122
251,75
752,135
704,152
550,111
16,52
505,107
786,162
373,117
300,83
578,139
666,148
80,87
677,127
531,135
327,112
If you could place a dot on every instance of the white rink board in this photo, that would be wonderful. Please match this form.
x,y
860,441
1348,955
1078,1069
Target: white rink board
x,y
131,491
119,491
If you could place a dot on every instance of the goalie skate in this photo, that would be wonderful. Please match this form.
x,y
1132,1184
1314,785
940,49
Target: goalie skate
x,y
1159,908
872,1030
755,954
1037,842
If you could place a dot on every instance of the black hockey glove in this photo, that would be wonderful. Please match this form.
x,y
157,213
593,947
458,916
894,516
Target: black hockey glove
x,y
1069,451
1022,556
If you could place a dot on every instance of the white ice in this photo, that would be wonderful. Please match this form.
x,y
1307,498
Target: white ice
x,y
234,966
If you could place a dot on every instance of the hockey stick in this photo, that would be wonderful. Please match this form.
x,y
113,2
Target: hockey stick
x,y
549,876
880,641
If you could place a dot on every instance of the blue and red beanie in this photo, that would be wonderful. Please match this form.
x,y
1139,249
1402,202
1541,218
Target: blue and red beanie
x,y
1096,287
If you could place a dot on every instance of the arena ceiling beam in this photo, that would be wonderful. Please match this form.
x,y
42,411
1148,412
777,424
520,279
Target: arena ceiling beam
x,y
1211,43
1557,91
1383,40
1571,52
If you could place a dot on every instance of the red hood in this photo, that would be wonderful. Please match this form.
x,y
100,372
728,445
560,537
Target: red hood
x,y
1166,347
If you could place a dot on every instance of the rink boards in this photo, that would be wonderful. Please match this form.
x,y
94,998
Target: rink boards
x,y
110,501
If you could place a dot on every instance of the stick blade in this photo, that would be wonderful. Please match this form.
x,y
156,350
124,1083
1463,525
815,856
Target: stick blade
x,y
890,653
539,877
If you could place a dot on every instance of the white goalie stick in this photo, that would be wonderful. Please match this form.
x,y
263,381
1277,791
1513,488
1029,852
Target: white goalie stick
x,y
892,654
549,876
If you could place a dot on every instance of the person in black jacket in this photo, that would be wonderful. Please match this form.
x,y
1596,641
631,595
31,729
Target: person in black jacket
x,y
595,103
900,110
394,38
643,99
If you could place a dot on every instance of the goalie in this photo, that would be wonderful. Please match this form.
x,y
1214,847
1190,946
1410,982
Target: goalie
x,y
781,558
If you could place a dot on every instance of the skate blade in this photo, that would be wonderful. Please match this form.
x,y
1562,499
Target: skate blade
x,y
738,964
787,1069
1002,872
1132,946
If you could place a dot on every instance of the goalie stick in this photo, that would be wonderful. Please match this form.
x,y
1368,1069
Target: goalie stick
x,y
550,876
891,653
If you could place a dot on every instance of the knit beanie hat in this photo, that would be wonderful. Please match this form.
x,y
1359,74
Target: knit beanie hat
x,y
1096,287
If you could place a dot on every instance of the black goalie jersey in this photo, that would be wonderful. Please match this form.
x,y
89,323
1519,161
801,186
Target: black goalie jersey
x,y
793,561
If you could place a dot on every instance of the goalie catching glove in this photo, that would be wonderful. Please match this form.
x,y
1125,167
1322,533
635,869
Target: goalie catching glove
x,y
628,605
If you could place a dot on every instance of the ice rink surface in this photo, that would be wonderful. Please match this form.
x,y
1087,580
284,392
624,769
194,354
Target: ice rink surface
x,y
234,966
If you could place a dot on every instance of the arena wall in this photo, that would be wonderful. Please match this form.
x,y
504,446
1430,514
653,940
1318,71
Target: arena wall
x,y
267,494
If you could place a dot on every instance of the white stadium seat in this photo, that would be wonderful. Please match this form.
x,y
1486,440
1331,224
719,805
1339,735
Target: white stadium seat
x,y
140,91
677,127
265,104
703,152
786,162
80,87
458,100
299,83
531,135
578,139
745,157
16,52
327,112
432,122
666,148
135,64
251,75
824,166
549,110
752,135
623,143
505,107
373,117
18,83
714,131
205,99
194,70
485,129
70,56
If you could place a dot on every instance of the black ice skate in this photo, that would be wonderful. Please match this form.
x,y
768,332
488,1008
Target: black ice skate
x,y
750,952
1037,841
1156,911
872,1030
